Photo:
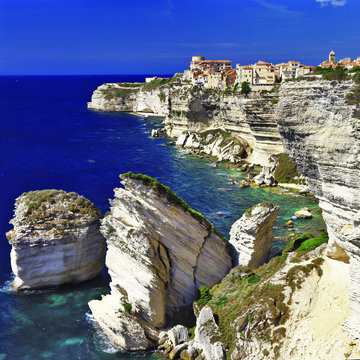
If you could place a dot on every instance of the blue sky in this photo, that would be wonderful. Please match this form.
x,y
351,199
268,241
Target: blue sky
x,y
160,36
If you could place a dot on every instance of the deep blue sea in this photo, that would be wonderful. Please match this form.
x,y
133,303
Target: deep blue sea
x,y
48,139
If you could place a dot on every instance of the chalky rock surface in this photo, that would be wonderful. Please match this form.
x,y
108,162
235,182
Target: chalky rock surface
x,y
55,240
252,235
206,335
321,134
159,253
217,143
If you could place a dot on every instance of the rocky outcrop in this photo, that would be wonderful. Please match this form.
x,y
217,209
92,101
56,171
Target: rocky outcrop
x,y
55,240
252,235
320,132
207,335
216,143
113,97
205,344
188,108
117,97
265,178
160,252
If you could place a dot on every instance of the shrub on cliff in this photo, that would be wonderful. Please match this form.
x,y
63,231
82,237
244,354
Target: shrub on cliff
x,y
204,296
353,97
245,88
338,74
286,170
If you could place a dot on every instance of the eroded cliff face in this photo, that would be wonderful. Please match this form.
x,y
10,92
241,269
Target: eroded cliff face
x,y
194,109
320,132
252,235
55,240
159,253
116,97
251,118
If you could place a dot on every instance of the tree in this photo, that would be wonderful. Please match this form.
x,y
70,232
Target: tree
x,y
245,88
236,86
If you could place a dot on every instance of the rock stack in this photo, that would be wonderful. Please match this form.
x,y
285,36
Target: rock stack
x,y
55,240
160,252
252,235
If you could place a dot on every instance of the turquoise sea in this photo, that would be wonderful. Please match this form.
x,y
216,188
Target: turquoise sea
x,y
48,139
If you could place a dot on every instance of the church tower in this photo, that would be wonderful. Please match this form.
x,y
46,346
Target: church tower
x,y
332,56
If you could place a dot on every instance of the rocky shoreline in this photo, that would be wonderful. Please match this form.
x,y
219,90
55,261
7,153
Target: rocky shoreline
x,y
165,258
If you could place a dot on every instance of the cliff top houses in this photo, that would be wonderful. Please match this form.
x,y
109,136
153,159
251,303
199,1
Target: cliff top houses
x,y
219,74
345,63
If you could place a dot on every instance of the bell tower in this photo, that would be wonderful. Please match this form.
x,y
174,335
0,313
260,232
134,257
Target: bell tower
x,y
332,56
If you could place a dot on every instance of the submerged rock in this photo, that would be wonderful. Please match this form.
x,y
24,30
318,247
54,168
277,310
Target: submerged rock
x,y
55,239
160,252
252,235
303,213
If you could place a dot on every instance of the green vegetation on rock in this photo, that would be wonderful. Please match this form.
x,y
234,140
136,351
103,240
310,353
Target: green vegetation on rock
x,y
135,85
248,304
304,243
286,170
170,196
204,296
313,243
39,203
115,92
127,307
158,83
338,74
245,88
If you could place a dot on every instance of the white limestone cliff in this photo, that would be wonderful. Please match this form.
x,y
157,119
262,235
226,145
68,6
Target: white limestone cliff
x,y
55,240
217,143
252,235
159,253
320,132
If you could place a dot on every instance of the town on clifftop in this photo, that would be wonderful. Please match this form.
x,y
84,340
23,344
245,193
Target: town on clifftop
x,y
219,74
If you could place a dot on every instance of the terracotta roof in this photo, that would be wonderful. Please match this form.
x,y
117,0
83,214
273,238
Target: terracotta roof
x,y
212,61
262,63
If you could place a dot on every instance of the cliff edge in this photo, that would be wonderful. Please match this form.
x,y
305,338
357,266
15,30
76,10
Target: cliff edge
x,y
320,132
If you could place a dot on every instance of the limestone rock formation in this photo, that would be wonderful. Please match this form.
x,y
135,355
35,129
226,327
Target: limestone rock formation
x,y
113,97
175,341
55,240
160,252
265,177
252,235
190,108
320,132
251,119
217,143
206,335
303,213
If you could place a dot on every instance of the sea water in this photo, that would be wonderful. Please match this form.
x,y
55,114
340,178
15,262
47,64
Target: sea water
x,y
48,139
